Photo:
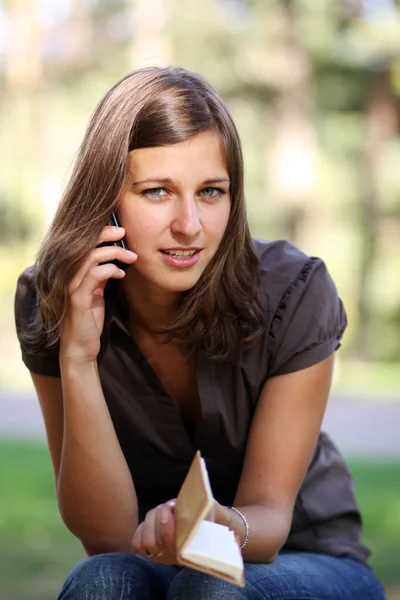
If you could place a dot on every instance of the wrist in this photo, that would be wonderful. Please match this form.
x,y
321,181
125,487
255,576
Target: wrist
x,y
71,365
223,515
246,526
236,521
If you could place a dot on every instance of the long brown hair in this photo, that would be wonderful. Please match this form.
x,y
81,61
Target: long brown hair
x,y
153,106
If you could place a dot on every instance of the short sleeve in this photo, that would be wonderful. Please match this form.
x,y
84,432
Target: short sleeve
x,y
43,362
309,321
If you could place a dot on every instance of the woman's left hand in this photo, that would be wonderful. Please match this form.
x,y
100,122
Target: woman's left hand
x,y
155,537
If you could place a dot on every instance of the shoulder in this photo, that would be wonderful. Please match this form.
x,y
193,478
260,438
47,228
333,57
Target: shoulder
x,y
307,317
283,267
277,252
25,303
280,265
32,337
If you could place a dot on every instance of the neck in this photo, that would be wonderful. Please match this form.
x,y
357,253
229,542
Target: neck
x,y
150,308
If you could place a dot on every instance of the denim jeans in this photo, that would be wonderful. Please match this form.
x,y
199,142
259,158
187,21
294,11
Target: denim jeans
x,y
292,576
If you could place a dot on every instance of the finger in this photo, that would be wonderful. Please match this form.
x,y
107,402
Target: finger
x,y
137,543
110,252
110,233
107,234
94,283
166,529
103,255
149,537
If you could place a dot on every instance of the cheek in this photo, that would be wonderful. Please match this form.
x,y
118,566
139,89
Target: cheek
x,y
219,222
142,228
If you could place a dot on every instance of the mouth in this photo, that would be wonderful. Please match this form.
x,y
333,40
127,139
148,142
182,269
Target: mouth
x,y
180,258
181,253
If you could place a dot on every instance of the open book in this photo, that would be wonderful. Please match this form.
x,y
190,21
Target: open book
x,y
201,544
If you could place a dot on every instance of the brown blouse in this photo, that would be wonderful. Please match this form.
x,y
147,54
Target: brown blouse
x,y
305,320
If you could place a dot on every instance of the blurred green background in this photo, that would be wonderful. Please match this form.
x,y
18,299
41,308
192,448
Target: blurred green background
x,y
314,88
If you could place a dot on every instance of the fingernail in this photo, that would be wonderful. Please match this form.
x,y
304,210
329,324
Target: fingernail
x,y
131,253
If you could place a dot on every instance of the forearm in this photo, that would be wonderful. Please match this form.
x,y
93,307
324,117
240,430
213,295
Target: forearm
x,y
95,491
269,528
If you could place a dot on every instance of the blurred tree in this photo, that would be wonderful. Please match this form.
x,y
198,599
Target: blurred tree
x,y
23,73
292,150
313,87
373,35
150,44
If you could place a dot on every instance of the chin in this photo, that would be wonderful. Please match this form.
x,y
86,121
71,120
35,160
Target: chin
x,y
181,284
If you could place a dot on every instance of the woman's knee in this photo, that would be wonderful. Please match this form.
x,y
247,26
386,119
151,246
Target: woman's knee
x,y
111,576
200,586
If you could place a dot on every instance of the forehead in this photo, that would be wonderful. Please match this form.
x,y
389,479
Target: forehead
x,y
199,154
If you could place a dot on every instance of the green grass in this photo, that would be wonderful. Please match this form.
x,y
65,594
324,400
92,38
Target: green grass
x,y
378,493
36,550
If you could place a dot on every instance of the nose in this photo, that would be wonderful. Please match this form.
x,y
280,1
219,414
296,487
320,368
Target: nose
x,y
186,220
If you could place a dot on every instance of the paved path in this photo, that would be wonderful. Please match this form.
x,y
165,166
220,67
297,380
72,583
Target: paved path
x,y
358,428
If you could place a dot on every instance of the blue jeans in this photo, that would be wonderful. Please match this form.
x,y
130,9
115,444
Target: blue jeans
x,y
292,576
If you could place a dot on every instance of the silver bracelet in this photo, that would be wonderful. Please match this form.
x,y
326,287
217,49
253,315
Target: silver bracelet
x,y
246,524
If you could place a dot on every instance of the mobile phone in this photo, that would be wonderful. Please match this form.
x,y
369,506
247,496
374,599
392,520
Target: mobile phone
x,y
113,221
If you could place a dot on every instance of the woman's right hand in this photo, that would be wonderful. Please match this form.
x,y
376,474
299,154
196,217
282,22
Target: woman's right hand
x,y
83,324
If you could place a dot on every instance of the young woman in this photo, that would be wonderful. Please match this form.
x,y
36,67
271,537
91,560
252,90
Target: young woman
x,y
205,340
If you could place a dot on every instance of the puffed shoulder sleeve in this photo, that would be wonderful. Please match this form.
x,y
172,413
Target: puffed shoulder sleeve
x,y
42,361
309,320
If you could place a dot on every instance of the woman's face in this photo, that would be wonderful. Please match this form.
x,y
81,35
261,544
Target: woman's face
x,y
175,210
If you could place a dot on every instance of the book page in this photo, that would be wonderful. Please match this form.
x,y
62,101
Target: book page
x,y
194,502
214,546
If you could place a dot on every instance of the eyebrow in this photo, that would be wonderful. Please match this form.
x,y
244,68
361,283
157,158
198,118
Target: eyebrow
x,y
168,180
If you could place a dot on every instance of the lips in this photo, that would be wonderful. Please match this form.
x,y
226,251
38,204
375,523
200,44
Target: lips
x,y
180,258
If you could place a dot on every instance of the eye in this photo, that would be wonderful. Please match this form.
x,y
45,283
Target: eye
x,y
155,192
212,192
